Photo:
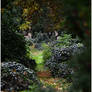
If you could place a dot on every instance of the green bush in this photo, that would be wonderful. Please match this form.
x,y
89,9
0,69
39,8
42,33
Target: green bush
x,y
13,44
46,53
65,40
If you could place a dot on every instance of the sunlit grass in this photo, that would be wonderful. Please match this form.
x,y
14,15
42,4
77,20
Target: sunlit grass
x,y
37,55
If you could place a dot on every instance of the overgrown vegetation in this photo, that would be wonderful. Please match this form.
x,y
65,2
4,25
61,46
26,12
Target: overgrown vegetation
x,y
13,43
51,37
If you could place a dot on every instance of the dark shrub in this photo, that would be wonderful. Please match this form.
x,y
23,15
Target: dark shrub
x,y
58,62
29,63
13,45
16,76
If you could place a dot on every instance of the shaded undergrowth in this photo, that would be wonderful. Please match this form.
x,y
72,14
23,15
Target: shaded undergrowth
x,y
44,74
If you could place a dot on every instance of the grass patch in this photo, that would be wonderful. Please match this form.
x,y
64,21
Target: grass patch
x,y
37,55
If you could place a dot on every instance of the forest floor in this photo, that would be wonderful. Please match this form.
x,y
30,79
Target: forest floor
x,y
44,74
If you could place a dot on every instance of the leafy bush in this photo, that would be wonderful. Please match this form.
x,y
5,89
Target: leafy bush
x,y
46,53
13,44
65,40
25,26
58,62
28,62
16,76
